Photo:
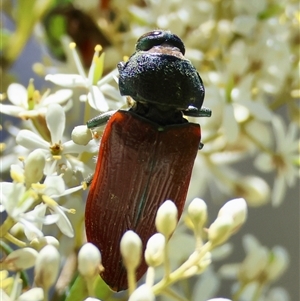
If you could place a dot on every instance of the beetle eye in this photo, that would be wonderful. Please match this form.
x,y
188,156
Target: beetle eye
x,y
148,40
149,34
156,38
155,33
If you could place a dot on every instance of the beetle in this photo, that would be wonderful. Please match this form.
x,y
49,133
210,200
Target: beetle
x,y
147,153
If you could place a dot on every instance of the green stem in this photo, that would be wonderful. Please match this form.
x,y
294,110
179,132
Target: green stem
x,y
131,280
173,295
239,292
46,293
257,292
14,240
87,112
178,273
28,13
6,226
150,276
89,282
166,259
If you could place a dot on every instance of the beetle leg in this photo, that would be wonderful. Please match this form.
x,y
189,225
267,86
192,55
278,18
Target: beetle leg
x,y
195,112
87,181
99,120
200,145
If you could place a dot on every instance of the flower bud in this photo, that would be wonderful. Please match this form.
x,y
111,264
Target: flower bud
x,y
34,167
220,230
89,260
166,218
92,299
81,135
154,253
40,242
46,267
20,259
237,210
131,249
254,189
142,293
197,211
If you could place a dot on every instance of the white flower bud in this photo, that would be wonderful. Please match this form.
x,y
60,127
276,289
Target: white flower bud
x,y
89,260
40,242
255,190
131,249
154,253
34,294
237,210
220,230
34,167
20,259
47,267
197,211
92,299
142,293
166,218
81,135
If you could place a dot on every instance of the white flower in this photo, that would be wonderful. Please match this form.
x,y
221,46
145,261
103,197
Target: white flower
x,y
54,187
95,94
33,220
15,199
57,153
282,160
259,268
29,103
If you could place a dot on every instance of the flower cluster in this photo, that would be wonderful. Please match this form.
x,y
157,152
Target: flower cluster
x,y
247,55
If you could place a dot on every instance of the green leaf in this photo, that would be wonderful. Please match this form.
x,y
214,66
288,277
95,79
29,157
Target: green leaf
x,y
4,37
102,290
78,291
271,11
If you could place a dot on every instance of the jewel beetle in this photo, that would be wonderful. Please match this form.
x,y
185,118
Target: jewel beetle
x,y
147,153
